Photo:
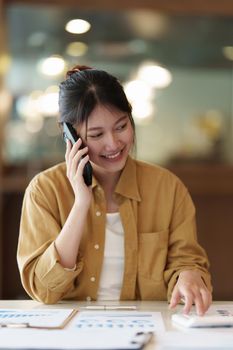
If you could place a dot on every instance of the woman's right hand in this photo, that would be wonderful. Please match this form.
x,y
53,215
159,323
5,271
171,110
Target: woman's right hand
x,y
75,166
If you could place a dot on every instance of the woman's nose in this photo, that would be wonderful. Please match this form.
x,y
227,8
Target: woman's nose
x,y
111,141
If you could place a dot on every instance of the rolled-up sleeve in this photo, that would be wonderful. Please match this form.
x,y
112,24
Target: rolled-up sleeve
x,y
42,275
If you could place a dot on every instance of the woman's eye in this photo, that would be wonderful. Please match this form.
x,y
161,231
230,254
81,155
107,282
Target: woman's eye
x,y
121,127
95,136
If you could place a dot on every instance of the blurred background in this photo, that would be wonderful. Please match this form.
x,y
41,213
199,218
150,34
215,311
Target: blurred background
x,y
175,60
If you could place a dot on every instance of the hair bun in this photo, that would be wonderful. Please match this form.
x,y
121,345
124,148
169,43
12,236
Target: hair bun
x,y
75,69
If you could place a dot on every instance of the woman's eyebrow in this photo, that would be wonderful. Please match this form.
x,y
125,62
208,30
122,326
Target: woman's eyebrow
x,y
100,127
95,128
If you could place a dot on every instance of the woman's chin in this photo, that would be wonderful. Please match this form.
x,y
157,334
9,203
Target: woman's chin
x,y
110,165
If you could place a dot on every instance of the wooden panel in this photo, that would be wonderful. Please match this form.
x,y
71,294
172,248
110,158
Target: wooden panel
x,y
206,179
211,188
215,232
12,288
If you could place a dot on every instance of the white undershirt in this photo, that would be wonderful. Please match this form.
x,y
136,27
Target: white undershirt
x,y
113,265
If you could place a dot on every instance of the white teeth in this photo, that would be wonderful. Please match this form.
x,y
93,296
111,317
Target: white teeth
x,y
113,156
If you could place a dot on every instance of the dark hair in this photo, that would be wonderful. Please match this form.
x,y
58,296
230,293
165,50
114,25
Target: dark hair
x,y
85,88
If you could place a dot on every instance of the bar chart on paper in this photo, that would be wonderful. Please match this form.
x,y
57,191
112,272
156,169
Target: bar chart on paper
x,y
35,317
119,320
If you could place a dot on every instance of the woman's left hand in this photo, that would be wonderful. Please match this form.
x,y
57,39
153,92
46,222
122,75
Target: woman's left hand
x,y
191,289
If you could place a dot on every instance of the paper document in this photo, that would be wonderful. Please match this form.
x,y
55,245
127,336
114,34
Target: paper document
x,y
88,330
42,318
58,340
118,320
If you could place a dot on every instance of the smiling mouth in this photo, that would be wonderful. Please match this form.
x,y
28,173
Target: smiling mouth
x,y
113,155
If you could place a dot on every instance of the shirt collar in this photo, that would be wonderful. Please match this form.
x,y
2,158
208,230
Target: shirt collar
x,y
127,185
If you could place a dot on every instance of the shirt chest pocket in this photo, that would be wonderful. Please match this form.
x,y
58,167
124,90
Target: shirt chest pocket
x,y
152,254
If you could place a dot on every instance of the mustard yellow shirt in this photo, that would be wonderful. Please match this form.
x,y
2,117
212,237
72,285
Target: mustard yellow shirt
x,y
158,217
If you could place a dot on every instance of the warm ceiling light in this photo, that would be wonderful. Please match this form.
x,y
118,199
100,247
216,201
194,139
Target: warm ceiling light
x,y
48,104
135,89
76,49
228,52
77,26
142,110
155,75
52,66
27,106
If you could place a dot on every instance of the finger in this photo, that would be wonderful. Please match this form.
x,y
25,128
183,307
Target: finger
x,y
206,297
199,304
77,159
82,164
188,299
175,298
68,148
75,147
74,158
80,154
70,153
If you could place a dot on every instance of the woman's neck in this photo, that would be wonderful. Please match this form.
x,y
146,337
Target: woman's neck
x,y
108,182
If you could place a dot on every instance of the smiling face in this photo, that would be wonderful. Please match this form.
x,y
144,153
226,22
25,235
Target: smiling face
x,y
109,137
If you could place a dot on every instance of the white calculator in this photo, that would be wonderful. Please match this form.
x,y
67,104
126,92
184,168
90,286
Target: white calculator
x,y
216,318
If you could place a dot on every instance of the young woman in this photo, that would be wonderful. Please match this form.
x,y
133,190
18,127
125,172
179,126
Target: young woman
x,y
130,235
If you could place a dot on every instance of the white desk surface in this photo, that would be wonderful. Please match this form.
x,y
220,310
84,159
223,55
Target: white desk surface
x,y
152,306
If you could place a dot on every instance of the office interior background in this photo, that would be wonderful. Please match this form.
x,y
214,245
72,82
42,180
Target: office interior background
x,y
175,60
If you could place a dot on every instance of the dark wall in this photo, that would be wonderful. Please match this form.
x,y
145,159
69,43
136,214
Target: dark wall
x,y
11,284
215,232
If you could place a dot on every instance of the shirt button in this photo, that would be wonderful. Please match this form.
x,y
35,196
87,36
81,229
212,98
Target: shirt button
x,y
98,213
92,279
88,298
96,246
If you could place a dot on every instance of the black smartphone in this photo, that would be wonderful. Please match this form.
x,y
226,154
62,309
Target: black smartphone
x,y
70,133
